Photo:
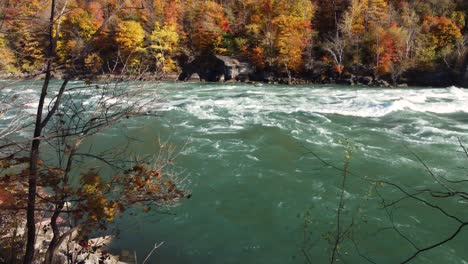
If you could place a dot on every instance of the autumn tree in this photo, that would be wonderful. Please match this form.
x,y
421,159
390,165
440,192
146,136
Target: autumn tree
x,y
273,35
24,33
401,61
392,52
164,41
130,37
293,33
350,30
7,64
206,25
278,32
438,40
331,13
76,30
336,46
377,20
410,21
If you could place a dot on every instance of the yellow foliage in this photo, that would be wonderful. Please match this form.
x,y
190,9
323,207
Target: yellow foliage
x,y
164,41
279,31
377,12
7,60
35,53
352,22
129,36
290,42
77,28
79,23
94,62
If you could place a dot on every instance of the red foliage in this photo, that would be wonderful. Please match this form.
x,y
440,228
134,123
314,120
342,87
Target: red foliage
x,y
95,9
386,57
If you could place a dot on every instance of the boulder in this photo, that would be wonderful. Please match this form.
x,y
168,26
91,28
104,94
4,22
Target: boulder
x,y
384,83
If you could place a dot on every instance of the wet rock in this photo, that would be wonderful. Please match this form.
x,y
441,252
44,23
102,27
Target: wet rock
x,y
365,80
384,83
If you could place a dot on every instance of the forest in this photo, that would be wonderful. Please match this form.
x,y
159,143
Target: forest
x,y
396,40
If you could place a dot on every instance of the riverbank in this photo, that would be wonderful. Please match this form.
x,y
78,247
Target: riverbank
x,y
428,80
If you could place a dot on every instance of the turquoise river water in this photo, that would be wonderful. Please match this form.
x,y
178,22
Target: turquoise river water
x,y
254,160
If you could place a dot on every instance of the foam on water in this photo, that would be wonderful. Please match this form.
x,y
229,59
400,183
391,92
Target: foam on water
x,y
241,106
316,101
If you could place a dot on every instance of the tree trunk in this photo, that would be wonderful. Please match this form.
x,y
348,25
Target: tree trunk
x,y
39,125
54,243
32,181
34,157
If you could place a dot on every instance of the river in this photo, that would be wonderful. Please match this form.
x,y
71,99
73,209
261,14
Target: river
x,y
264,168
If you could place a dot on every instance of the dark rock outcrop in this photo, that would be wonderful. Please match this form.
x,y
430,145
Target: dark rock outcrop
x,y
464,82
345,81
318,72
365,80
217,68
214,68
434,79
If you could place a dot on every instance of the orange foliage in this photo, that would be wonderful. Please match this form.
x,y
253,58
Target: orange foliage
x,y
339,69
257,57
443,29
211,24
172,13
95,9
292,38
389,47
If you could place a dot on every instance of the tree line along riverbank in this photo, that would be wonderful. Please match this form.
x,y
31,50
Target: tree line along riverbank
x,y
367,42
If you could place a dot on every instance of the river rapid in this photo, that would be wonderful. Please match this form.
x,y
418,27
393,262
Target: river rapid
x,y
264,166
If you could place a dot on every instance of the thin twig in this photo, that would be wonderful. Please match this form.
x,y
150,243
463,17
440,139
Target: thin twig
x,y
156,246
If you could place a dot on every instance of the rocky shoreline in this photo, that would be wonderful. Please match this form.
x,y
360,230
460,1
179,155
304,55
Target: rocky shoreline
x,y
216,68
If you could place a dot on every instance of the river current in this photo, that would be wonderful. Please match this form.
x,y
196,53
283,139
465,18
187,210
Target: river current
x,y
264,165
